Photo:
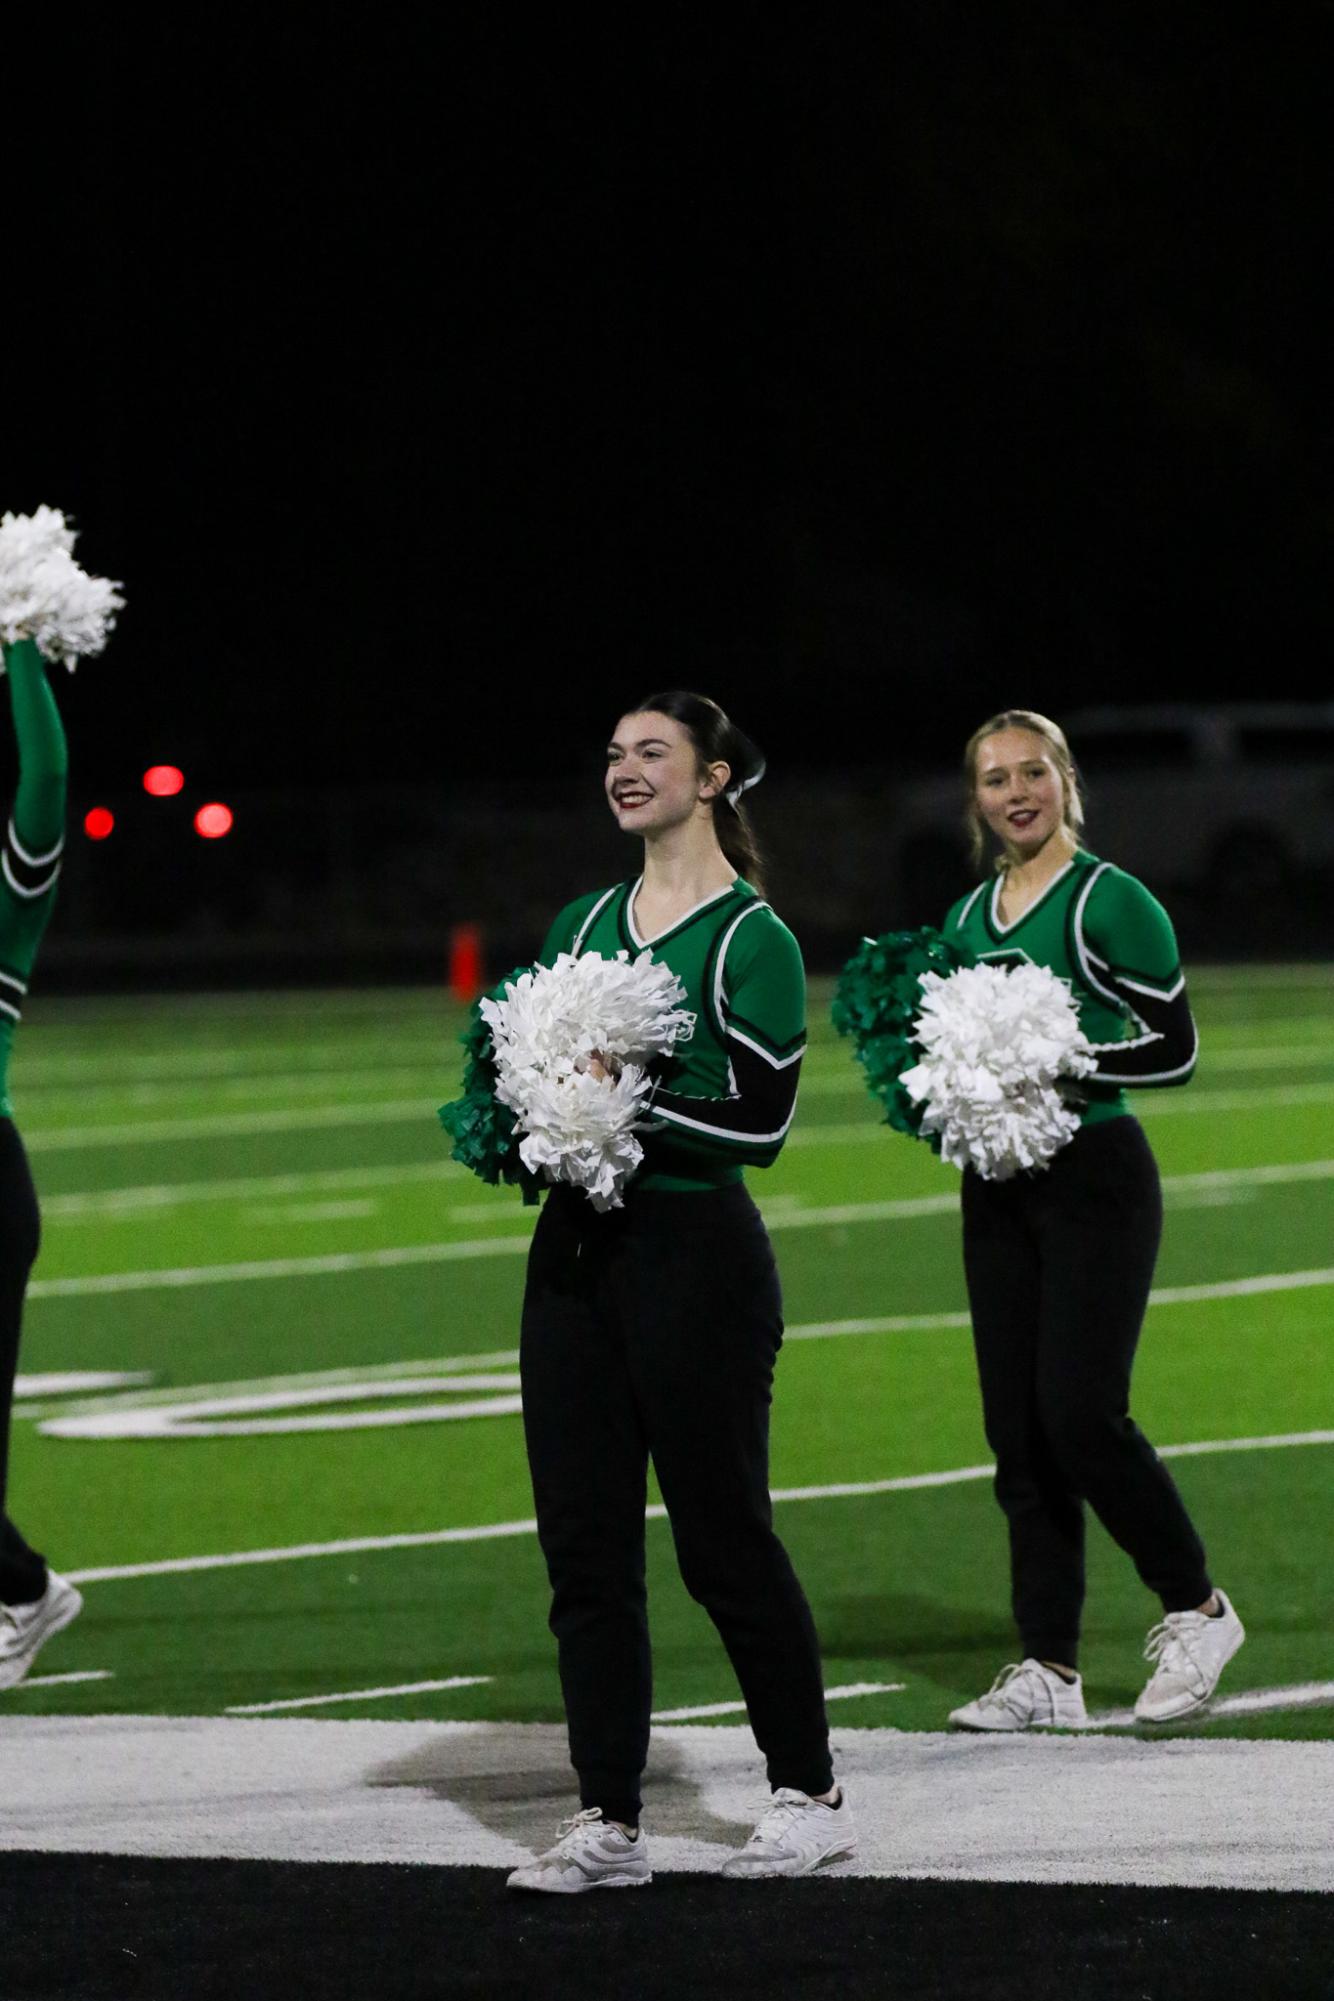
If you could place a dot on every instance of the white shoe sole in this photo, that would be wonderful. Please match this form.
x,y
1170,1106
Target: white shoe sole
x,y
1016,1729
578,1889
63,1613
844,1852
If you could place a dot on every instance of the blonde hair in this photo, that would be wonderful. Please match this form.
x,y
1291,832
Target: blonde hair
x,y
1072,815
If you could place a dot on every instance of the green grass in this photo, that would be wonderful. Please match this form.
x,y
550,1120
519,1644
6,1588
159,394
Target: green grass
x,y
181,1134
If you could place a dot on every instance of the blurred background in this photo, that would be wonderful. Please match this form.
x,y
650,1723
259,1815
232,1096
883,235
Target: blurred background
x,y
441,383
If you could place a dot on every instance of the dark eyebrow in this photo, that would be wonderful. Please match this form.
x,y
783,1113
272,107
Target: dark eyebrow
x,y
645,743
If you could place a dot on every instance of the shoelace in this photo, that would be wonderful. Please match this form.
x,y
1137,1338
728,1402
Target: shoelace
x,y
777,1817
998,1696
575,1825
1170,1645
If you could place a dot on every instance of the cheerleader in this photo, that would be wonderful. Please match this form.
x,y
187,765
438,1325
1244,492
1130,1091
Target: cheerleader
x,y
1059,1263
34,1602
651,1331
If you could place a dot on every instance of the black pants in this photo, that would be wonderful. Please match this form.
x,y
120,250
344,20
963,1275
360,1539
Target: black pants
x,y
22,1571
1059,1266
652,1331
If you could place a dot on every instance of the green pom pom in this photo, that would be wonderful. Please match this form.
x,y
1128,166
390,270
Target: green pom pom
x,y
876,1003
482,1129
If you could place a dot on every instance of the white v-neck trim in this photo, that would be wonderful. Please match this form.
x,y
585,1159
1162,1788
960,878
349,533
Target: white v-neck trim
x,y
647,944
998,922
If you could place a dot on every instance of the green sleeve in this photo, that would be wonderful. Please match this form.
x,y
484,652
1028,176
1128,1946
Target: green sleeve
x,y
764,988
1130,932
565,930
39,806
34,833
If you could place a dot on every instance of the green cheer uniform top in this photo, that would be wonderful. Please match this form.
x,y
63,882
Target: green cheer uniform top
x,y
725,1098
34,838
1110,939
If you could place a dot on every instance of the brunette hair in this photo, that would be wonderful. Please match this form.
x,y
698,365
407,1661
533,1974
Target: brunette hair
x,y
717,740
1072,814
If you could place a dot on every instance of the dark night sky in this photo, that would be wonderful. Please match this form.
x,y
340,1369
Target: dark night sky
x,y
436,391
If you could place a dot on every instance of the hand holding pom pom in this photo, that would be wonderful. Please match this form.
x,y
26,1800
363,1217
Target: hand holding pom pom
x,y
570,1045
975,1059
44,594
878,998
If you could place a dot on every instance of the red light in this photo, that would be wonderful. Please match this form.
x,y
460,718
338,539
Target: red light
x,y
163,781
97,823
213,821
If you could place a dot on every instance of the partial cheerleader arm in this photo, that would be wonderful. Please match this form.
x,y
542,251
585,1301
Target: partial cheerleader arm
x,y
758,1002
35,832
1130,954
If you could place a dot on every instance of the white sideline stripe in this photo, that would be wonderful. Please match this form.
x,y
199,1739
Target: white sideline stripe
x,y
843,1694
161,1195
493,1531
59,1680
357,1695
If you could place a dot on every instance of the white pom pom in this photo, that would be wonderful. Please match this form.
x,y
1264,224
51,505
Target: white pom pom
x,y
45,596
996,1040
579,1128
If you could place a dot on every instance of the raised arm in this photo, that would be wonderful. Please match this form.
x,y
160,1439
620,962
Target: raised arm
x,y
36,829
34,832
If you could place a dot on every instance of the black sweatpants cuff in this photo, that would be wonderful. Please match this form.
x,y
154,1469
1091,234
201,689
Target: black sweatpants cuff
x,y
1052,1647
616,1793
1198,1592
813,1774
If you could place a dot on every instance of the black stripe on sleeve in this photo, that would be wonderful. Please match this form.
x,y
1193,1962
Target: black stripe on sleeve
x,y
750,1124
1165,1046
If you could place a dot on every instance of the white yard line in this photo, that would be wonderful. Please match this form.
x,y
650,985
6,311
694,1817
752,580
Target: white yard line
x,y
103,1202
511,1244
59,1680
399,1111
493,1531
697,1709
861,1132
358,1695
191,1066
1302,1695
375,1372
261,1085
79,1382
223,1125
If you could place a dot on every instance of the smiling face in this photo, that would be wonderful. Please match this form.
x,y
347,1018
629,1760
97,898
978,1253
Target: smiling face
x,y
654,780
1020,793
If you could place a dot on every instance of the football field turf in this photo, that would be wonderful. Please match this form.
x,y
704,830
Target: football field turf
x,y
249,1210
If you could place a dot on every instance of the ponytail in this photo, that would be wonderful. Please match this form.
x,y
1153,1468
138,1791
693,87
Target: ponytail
x,y
717,740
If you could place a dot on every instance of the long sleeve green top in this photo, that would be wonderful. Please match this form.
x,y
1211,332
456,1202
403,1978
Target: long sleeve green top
x,y
34,837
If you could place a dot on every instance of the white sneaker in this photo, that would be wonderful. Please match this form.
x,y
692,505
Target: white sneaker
x,y
1191,1650
590,1854
796,1835
1025,1696
24,1629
